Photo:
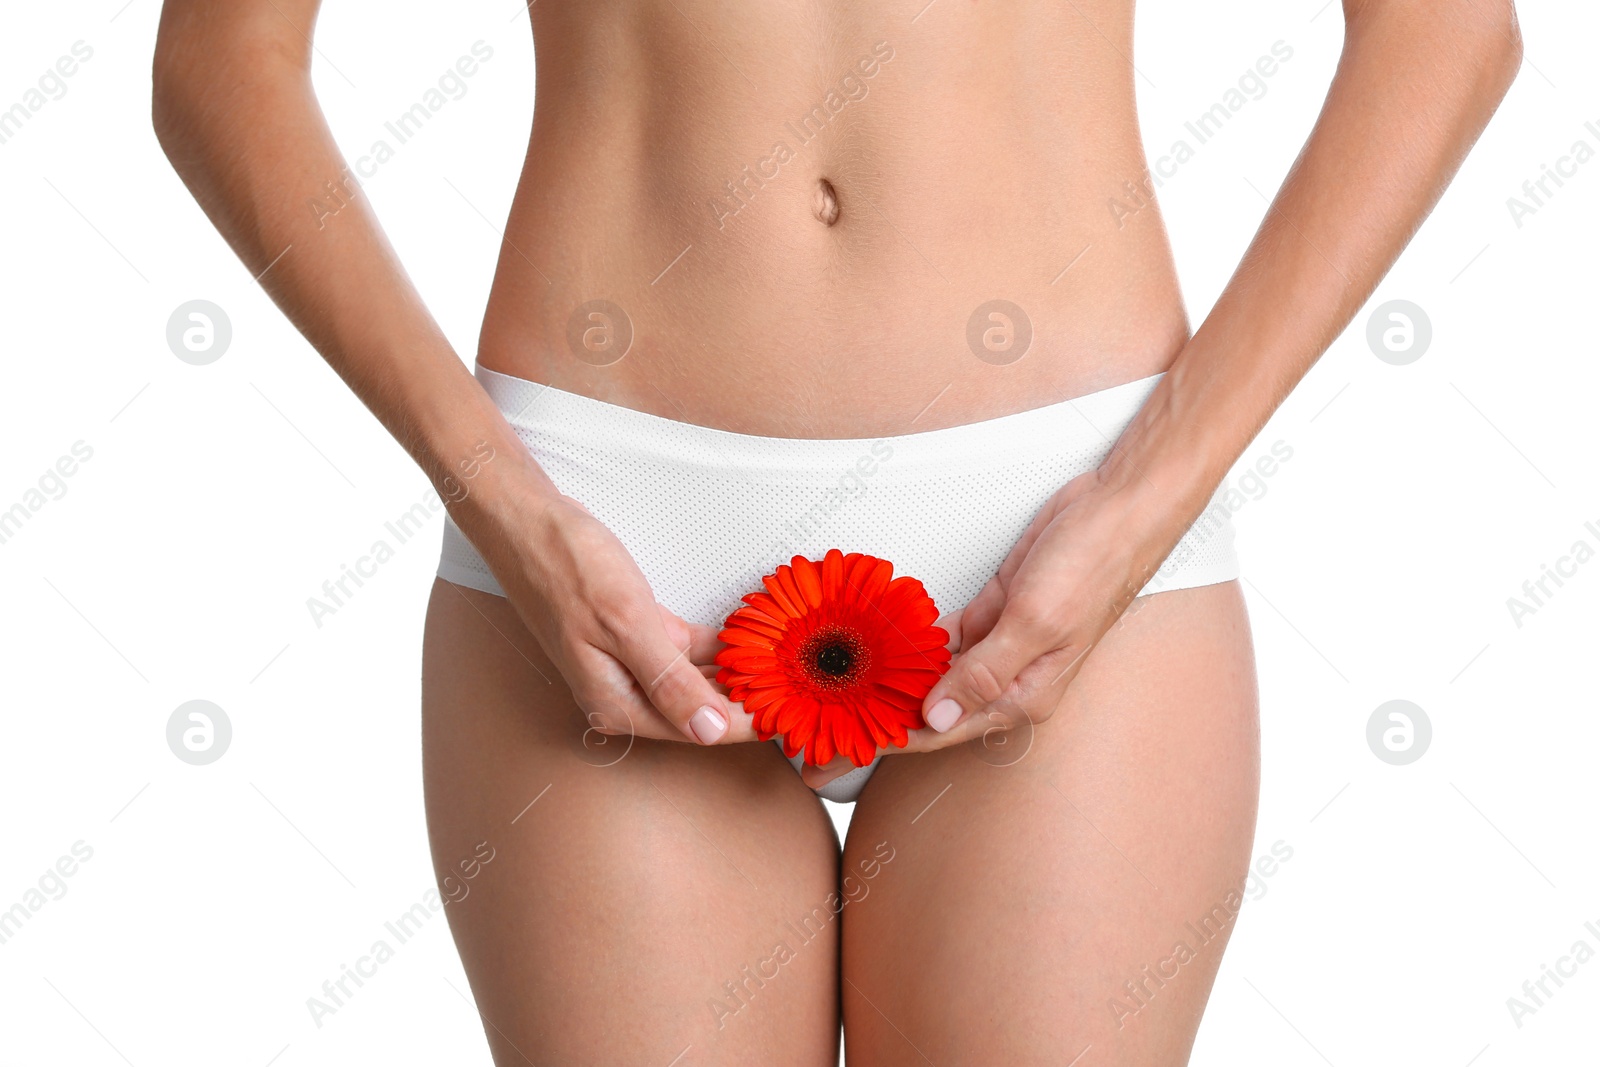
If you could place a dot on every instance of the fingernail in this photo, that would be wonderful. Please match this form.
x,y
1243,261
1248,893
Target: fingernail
x,y
944,714
708,725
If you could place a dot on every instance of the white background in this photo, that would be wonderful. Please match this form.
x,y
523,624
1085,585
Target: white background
x,y
177,565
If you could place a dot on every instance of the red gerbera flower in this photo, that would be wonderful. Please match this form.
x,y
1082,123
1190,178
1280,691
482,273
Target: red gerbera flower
x,y
834,656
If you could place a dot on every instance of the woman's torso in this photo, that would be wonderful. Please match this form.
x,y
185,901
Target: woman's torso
x,y
674,191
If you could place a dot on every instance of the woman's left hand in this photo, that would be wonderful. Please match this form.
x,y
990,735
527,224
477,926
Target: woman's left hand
x,y
1023,638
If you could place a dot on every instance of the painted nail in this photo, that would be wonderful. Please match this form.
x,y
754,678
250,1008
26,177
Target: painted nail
x,y
708,725
944,714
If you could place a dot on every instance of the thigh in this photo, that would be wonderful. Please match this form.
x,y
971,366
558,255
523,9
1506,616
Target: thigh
x,y
617,901
1073,889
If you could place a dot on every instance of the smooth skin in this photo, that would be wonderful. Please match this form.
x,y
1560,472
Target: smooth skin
x,y
828,294
1030,876
645,875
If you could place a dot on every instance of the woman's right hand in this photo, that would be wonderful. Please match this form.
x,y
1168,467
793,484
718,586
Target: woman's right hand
x,y
633,667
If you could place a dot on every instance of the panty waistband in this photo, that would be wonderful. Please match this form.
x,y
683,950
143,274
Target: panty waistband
x,y
1090,423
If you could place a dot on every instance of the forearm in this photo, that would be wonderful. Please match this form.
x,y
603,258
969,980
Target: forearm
x,y
235,111
1416,85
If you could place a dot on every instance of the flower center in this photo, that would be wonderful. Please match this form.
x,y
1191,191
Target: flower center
x,y
834,658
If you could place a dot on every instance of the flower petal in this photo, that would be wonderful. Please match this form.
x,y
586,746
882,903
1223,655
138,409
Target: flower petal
x,y
832,575
808,578
791,589
775,588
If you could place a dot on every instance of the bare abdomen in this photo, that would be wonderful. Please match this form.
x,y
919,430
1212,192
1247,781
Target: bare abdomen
x,y
832,225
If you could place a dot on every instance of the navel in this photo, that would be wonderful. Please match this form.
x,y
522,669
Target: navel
x,y
825,202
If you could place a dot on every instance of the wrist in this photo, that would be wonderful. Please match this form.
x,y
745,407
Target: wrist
x,y
1161,474
1182,442
494,485
485,476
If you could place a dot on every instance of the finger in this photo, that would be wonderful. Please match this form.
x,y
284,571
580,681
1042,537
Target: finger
x,y
704,644
741,725
1036,692
678,631
970,727
644,721
611,700
1031,699
702,641
973,727
817,777
982,674
674,685
982,612
951,624
820,776
1024,544
616,706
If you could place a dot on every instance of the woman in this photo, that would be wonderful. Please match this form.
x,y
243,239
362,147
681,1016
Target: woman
x,y
782,279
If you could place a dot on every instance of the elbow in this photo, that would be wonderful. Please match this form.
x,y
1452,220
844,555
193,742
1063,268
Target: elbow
x,y
178,83
201,77
166,104
1496,49
1475,51
1510,53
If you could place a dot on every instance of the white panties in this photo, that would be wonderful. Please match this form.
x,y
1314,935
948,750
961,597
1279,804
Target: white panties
x,y
706,513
